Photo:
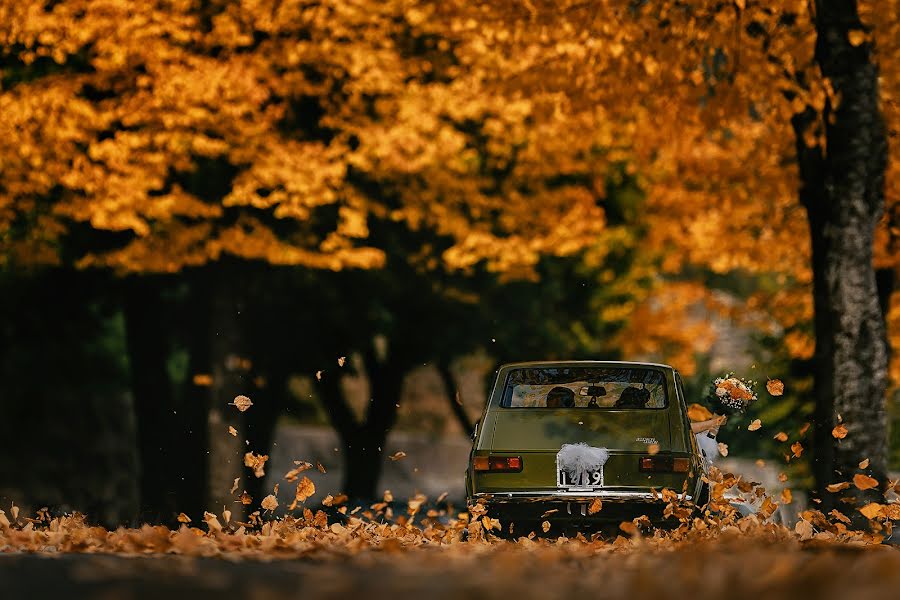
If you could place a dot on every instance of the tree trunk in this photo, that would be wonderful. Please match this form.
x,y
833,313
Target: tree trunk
x,y
148,352
843,191
456,406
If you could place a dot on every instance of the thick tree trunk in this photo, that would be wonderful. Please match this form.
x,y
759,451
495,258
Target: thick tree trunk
x,y
148,352
843,191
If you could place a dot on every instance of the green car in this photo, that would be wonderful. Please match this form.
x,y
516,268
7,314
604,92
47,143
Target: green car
x,y
556,436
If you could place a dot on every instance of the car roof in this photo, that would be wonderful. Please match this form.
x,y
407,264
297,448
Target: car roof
x,y
584,363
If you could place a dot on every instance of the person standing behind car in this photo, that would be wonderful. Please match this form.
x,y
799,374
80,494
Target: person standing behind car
x,y
706,432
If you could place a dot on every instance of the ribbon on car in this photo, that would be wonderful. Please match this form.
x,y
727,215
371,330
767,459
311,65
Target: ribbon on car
x,y
579,460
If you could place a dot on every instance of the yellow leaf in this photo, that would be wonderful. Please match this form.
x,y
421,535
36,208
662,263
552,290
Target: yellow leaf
x,y
305,489
775,387
232,431
786,496
202,380
856,37
698,412
837,487
755,425
797,449
595,506
242,403
839,432
781,436
864,464
864,482
871,510
183,518
653,449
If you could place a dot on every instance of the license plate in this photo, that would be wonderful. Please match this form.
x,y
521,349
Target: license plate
x,y
594,479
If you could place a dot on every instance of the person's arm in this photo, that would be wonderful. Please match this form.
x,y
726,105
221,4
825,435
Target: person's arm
x,y
709,425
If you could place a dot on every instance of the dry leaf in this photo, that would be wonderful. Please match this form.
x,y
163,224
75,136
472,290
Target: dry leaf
x,y
840,516
653,449
628,527
294,474
805,428
595,506
242,403
754,425
871,510
387,496
839,432
782,477
864,482
341,361
723,449
234,486
320,467
183,518
864,464
397,455
797,449
549,512
786,496
837,487
305,489
545,526
319,375
202,379
781,436
856,37
269,503
256,462
246,498
698,412
232,431
775,387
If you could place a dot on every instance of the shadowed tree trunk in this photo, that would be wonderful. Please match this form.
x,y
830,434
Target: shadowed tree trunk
x,y
842,189
452,392
148,352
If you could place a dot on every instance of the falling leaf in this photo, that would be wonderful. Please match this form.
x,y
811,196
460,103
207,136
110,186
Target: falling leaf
x,y
319,375
294,474
246,498
653,449
755,425
387,496
698,412
804,529
595,506
183,518
839,432
549,512
781,436
723,449
864,464
320,467
232,431
805,428
797,449
202,379
864,482
628,527
775,387
786,496
397,455
840,516
234,486
341,361
269,503
782,477
837,487
856,37
242,403
305,489
871,510
545,526
256,462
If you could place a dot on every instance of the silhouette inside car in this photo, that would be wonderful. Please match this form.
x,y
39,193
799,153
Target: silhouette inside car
x,y
633,397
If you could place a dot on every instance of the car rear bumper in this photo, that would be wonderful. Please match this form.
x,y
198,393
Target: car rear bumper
x,y
571,496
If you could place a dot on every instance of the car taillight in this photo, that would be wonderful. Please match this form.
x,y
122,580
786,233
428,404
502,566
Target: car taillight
x,y
664,464
497,464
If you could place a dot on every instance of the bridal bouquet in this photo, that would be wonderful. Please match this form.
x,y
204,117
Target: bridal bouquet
x,y
732,392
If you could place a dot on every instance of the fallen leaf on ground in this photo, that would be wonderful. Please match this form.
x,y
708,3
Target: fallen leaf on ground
x,y
864,482
269,503
775,387
753,426
839,432
781,436
397,455
242,403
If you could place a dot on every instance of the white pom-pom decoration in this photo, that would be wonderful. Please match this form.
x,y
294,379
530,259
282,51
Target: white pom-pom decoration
x,y
579,460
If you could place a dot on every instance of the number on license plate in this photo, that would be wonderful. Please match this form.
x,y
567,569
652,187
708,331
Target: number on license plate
x,y
595,478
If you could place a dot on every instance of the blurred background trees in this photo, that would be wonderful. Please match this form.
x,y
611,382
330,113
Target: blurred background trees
x,y
205,199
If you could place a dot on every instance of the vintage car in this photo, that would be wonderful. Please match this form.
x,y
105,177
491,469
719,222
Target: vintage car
x,y
556,436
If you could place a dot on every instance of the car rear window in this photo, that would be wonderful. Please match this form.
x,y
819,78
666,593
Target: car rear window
x,y
585,387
